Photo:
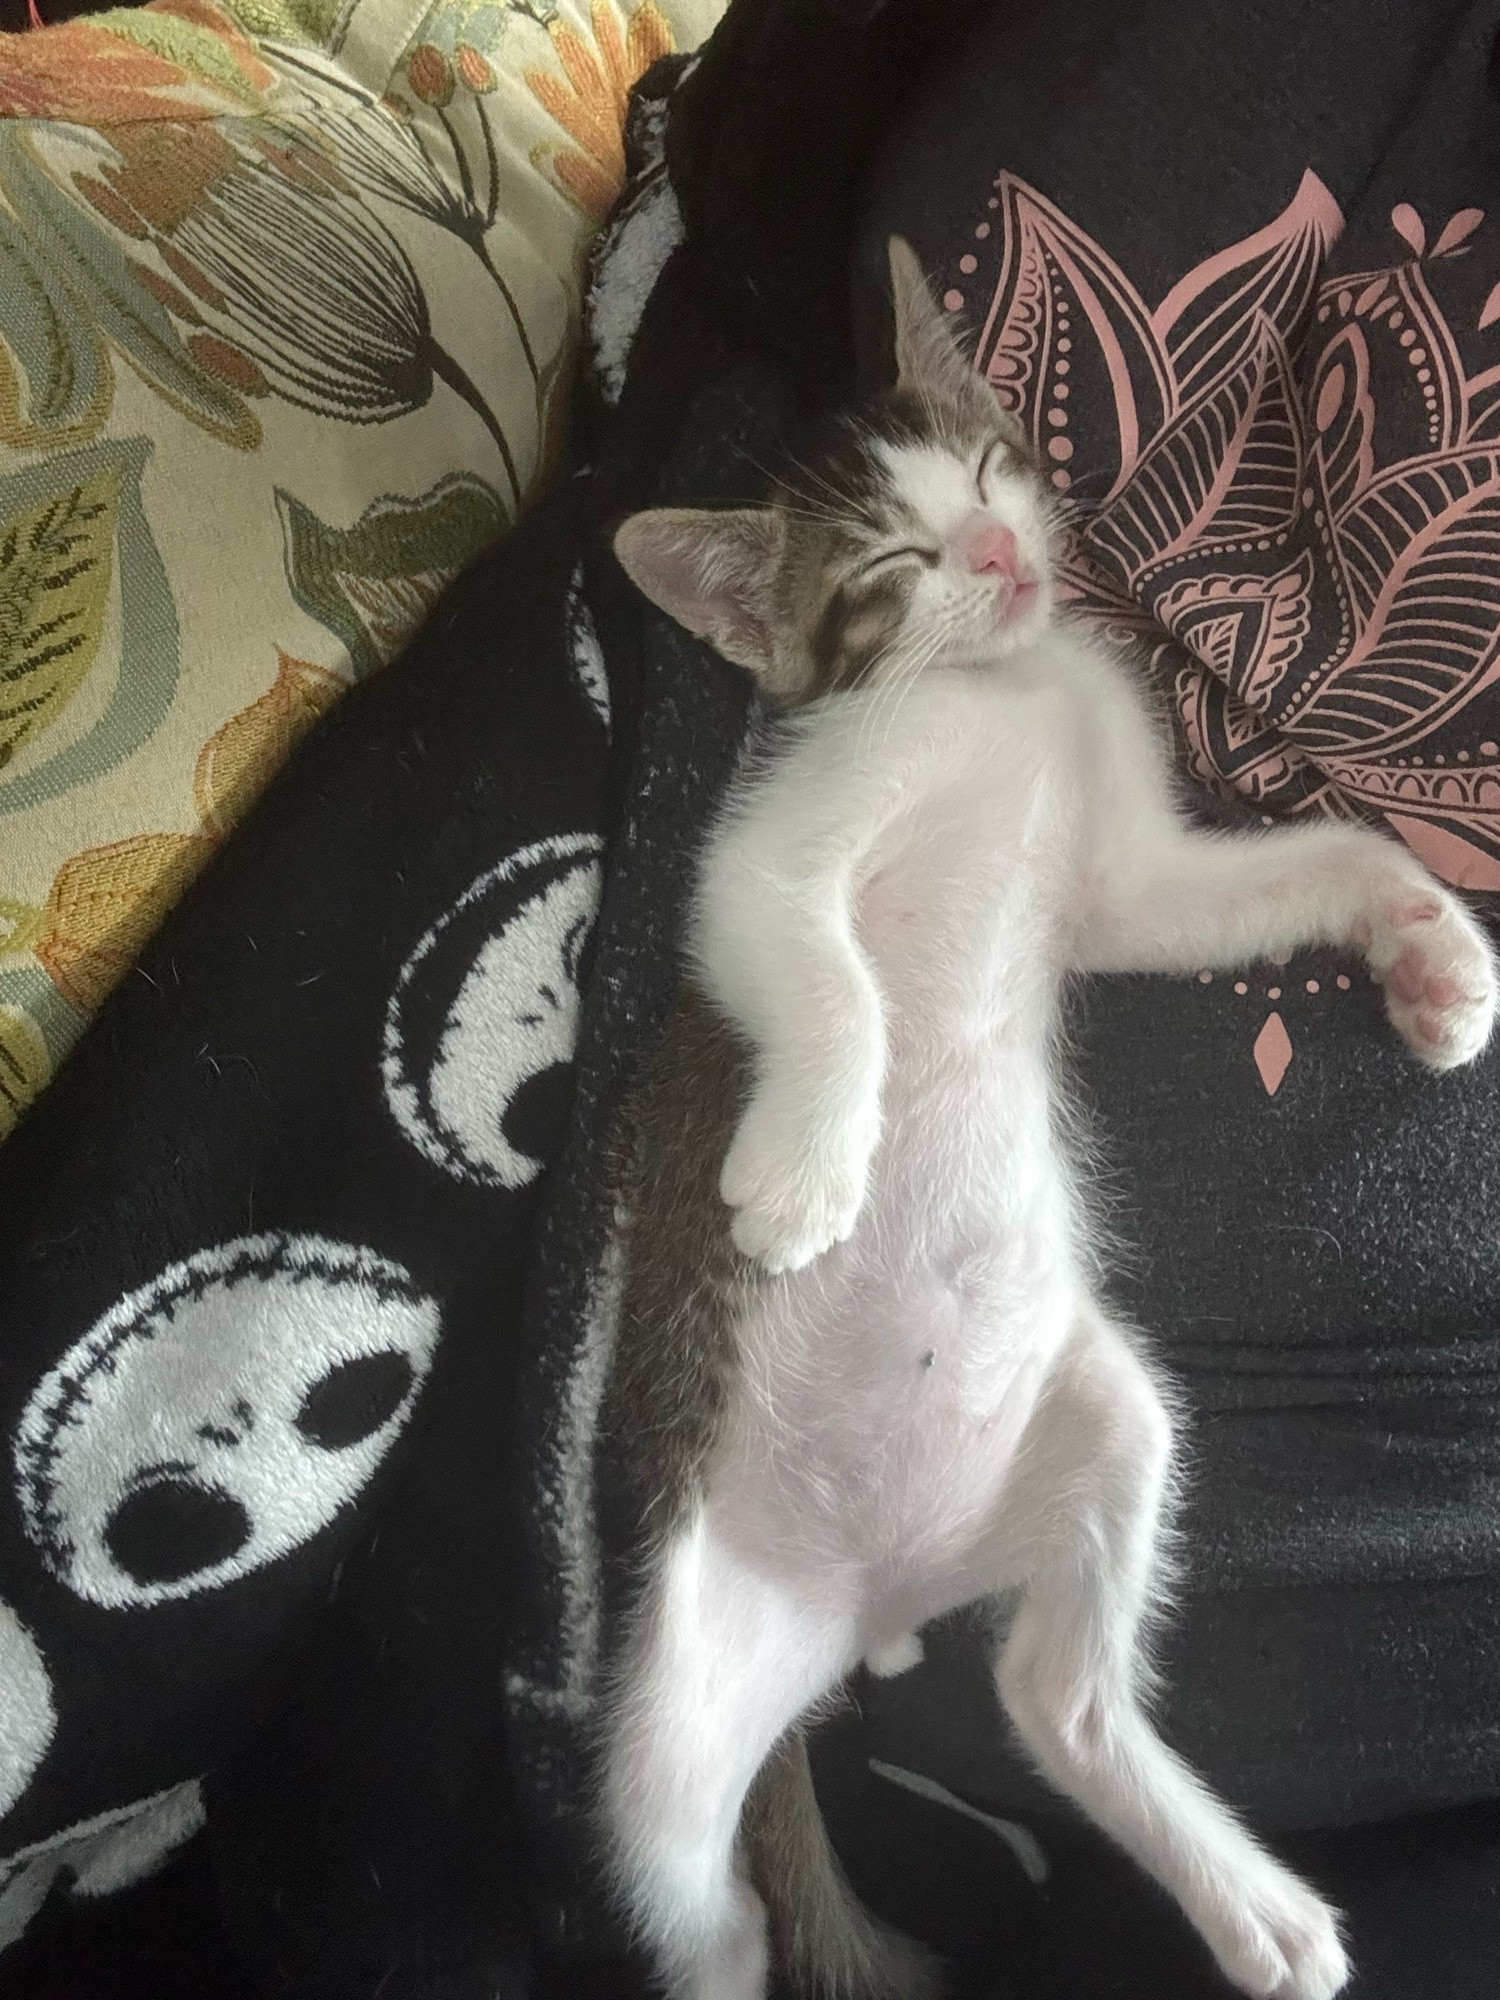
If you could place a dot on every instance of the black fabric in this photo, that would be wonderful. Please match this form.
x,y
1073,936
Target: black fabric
x,y
1423,1896
391,1703
343,1695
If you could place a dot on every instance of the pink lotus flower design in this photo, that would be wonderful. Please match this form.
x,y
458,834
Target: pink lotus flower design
x,y
1287,485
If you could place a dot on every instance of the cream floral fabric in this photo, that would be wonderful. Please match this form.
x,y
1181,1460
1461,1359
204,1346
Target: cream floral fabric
x,y
287,304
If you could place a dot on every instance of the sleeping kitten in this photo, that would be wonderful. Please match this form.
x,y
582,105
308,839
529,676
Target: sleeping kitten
x,y
864,1375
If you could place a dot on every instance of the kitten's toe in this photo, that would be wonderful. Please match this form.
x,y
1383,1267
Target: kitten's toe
x,y
897,1656
786,1229
1283,1943
1317,1965
795,1192
1439,977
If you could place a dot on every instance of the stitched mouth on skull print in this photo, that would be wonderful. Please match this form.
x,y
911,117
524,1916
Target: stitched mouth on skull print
x,y
220,1416
480,1029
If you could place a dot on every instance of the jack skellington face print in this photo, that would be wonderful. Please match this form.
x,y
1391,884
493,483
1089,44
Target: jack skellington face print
x,y
220,1416
480,1029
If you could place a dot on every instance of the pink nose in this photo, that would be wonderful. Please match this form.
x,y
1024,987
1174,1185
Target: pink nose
x,y
993,551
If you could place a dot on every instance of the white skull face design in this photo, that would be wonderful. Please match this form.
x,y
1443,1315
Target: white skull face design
x,y
220,1416
28,1716
480,1029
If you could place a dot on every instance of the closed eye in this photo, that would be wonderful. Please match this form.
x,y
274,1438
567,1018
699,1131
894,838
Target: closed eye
x,y
994,455
911,553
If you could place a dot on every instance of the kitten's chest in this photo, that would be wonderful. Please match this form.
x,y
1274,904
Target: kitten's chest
x,y
970,880
883,1389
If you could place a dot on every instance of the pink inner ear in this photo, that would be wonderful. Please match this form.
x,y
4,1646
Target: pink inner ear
x,y
712,569
707,571
700,593
681,586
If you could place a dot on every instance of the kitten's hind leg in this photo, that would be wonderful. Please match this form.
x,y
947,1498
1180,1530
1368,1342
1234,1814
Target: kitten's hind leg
x,y
722,1661
1080,1528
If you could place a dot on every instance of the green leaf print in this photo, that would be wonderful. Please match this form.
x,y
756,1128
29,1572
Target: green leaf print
x,y
374,583
323,22
55,380
80,535
86,257
55,563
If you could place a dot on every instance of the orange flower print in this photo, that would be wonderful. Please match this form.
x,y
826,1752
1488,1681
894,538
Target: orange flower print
x,y
77,71
166,172
475,70
430,74
106,902
590,100
102,74
237,763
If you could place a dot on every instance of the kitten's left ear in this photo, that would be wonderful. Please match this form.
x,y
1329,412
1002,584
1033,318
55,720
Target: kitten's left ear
x,y
713,571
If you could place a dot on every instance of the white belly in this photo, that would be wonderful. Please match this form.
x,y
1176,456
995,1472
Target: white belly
x,y
887,1385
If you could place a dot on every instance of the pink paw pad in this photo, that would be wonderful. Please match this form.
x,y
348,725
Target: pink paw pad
x,y
1407,977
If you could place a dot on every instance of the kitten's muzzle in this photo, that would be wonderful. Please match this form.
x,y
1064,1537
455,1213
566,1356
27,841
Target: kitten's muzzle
x,y
989,550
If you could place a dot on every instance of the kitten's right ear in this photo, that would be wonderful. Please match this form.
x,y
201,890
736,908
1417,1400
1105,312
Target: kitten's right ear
x,y
928,360
713,571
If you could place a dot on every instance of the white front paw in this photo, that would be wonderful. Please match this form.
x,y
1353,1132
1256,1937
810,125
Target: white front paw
x,y
895,1657
1280,1940
1438,972
795,1181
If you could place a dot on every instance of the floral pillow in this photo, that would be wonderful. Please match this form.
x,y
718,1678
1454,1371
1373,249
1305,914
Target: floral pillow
x,y
288,299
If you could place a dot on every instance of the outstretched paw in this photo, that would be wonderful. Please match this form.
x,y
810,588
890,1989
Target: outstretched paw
x,y
1283,1941
796,1184
1439,976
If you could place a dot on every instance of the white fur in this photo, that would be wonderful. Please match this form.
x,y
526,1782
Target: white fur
x,y
933,1407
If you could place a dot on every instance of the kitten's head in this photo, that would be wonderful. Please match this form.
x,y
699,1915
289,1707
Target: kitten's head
x,y
913,532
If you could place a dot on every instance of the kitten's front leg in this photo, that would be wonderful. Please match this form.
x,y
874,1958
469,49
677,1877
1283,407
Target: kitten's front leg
x,y
796,1172
1175,901
775,941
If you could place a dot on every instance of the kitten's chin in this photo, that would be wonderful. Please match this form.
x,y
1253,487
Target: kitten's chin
x,y
1020,620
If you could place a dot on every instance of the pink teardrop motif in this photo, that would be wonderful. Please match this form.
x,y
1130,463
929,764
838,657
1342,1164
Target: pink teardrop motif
x,y
1406,222
1456,228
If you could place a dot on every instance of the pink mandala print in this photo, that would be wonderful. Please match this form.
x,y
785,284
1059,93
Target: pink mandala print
x,y
1313,562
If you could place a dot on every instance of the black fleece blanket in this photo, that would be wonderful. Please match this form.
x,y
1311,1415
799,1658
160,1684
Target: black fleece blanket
x,y
307,1299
